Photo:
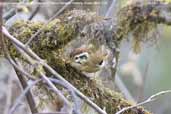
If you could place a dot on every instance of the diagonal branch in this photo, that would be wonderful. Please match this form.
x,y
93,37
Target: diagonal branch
x,y
127,23
35,11
55,89
76,108
19,99
32,54
111,9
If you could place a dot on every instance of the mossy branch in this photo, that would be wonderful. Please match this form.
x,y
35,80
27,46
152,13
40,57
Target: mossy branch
x,y
137,19
141,21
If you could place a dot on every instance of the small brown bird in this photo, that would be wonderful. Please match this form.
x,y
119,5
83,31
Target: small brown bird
x,y
89,59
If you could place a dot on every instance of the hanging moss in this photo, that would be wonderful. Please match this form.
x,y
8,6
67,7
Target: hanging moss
x,y
135,19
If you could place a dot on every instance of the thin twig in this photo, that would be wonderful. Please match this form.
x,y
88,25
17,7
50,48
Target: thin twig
x,y
9,14
19,99
141,88
32,4
20,45
51,70
34,12
111,9
120,84
12,12
76,107
55,89
123,88
24,83
81,95
22,79
1,24
40,30
150,99
17,67
9,95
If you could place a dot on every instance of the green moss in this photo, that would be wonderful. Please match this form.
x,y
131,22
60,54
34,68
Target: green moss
x,y
49,46
135,19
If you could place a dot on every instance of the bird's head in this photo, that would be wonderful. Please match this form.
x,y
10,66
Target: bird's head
x,y
89,59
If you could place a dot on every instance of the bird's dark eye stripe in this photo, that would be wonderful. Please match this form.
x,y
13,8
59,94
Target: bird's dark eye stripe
x,y
101,62
83,57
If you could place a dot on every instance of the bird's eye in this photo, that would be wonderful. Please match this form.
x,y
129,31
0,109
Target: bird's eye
x,y
76,58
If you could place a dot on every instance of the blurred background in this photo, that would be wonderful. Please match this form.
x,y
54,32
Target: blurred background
x,y
143,74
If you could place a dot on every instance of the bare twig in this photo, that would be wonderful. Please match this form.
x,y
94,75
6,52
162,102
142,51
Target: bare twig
x,y
20,45
55,89
12,11
34,12
111,9
141,88
40,30
22,79
9,95
150,99
81,95
58,76
119,83
24,83
43,76
20,69
76,107
9,14
19,99
1,23
49,83
123,88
